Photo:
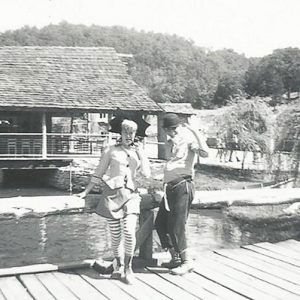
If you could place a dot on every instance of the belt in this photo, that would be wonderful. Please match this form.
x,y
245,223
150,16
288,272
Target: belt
x,y
172,184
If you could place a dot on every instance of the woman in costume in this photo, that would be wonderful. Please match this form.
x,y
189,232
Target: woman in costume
x,y
123,161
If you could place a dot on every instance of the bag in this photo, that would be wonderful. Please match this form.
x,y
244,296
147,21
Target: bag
x,y
111,200
110,207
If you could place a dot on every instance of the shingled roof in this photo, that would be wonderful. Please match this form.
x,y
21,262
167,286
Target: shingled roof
x,y
72,78
178,108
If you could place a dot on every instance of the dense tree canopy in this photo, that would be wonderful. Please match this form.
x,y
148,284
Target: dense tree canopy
x,y
274,74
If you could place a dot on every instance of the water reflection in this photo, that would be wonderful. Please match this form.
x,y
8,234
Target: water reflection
x,y
43,233
63,238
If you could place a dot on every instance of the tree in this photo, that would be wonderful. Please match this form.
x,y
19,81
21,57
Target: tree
x,y
286,63
229,87
288,136
274,74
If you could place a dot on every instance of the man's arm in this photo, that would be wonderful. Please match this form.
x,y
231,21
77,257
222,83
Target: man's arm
x,y
203,150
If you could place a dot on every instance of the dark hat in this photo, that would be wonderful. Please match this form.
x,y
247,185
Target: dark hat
x,y
171,120
116,123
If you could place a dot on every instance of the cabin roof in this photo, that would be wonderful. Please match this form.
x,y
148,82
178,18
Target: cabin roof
x,y
178,108
68,78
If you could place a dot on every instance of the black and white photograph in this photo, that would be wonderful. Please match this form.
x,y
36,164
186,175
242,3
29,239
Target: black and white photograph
x,y
149,149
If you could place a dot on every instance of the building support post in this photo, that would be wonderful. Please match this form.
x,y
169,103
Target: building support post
x,y
161,137
44,136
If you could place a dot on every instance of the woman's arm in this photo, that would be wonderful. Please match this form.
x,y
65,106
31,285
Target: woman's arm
x,y
98,173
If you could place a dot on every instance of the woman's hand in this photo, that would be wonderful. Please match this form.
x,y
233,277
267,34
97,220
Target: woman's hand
x,y
139,148
81,195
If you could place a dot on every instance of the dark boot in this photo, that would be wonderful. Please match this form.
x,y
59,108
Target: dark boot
x,y
129,275
174,262
118,269
186,265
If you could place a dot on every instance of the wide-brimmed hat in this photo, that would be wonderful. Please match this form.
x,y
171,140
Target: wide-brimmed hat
x,y
171,120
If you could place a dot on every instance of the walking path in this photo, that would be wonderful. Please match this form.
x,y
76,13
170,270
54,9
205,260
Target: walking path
x,y
259,271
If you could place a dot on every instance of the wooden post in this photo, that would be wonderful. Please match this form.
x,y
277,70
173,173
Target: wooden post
x,y
144,234
161,138
44,136
109,138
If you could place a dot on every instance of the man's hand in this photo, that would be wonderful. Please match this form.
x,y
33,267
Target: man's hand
x,y
188,126
158,177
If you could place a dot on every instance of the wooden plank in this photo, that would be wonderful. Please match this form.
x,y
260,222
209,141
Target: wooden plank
x,y
283,287
2,295
12,289
272,261
81,288
234,280
173,290
58,289
38,268
167,288
188,286
290,244
249,277
144,239
35,287
103,284
262,266
272,255
285,247
278,249
213,287
140,290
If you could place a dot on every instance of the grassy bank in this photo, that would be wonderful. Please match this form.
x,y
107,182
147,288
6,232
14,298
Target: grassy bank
x,y
210,177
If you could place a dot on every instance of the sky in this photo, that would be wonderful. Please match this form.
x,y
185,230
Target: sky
x,y
250,27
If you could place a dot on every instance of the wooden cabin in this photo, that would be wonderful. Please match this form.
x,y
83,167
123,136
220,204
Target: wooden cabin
x,y
44,91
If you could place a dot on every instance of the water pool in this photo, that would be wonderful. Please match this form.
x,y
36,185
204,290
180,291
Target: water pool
x,y
63,238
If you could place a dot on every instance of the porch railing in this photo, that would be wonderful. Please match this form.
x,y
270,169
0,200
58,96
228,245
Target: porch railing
x,y
58,144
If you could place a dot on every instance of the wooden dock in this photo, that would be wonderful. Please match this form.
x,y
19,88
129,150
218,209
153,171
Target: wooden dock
x,y
260,271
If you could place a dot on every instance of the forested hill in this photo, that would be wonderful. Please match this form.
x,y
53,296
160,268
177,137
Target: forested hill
x,y
170,67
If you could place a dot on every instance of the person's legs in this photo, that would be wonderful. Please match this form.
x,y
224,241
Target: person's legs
x,y
115,233
182,197
130,222
161,226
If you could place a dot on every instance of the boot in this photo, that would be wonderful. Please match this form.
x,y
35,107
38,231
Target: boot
x,y
175,260
118,269
129,275
186,265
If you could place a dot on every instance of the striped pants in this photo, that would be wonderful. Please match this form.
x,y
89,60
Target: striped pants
x,y
129,229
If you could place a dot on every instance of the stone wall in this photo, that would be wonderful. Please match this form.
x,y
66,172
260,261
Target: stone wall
x,y
80,171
